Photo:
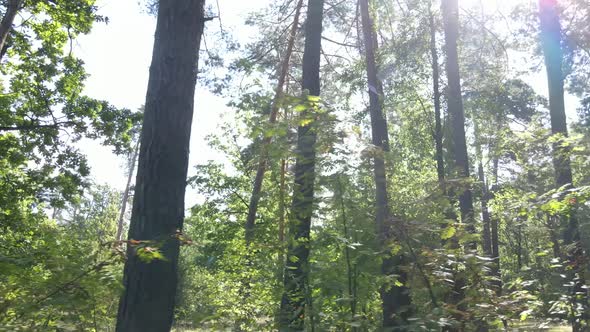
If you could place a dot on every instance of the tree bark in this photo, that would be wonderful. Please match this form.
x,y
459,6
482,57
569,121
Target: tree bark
x,y
395,300
276,103
450,11
147,303
292,311
127,190
6,24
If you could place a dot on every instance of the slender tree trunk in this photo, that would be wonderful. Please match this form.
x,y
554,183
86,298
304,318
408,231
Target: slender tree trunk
x,y
438,133
495,245
450,10
127,190
292,311
395,299
12,9
349,268
147,303
551,44
276,104
485,212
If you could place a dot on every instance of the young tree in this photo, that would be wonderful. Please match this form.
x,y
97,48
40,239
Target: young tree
x,y
292,311
147,303
395,299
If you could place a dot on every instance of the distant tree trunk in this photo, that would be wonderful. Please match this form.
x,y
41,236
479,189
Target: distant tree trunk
x,y
438,133
12,8
551,44
395,299
485,212
127,190
349,266
276,104
450,11
147,303
292,311
495,245
450,15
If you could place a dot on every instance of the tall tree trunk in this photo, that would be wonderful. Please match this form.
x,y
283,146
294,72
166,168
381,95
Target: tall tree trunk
x,y
438,133
276,104
450,10
292,311
127,190
551,44
12,9
450,14
147,303
395,299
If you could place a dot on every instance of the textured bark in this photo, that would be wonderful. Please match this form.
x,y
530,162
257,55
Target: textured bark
x,y
6,24
293,302
551,44
126,192
396,301
147,303
276,103
450,11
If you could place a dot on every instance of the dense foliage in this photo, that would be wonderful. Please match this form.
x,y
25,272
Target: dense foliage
x,y
519,257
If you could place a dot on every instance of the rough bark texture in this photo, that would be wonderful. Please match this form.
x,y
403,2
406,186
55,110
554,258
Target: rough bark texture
x,y
147,303
292,311
257,186
395,300
551,44
6,24
126,192
450,11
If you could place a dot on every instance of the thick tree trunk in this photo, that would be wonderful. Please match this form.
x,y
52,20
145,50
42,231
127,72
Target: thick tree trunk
x,y
292,311
551,44
395,299
147,303
450,10
12,9
276,104
126,192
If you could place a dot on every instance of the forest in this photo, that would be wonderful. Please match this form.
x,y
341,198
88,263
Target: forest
x,y
385,165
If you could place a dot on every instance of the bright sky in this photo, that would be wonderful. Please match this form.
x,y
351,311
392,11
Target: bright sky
x,y
117,57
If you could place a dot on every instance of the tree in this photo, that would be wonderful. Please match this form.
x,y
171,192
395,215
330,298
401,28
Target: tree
x,y
552,51
450,11
395,298
147,303
292,311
